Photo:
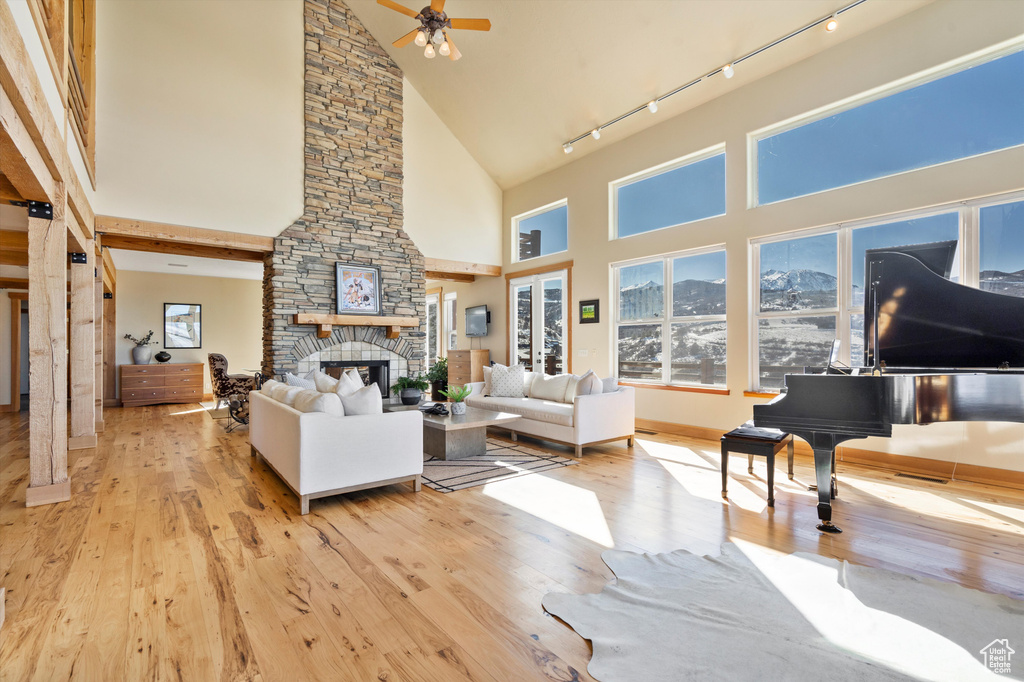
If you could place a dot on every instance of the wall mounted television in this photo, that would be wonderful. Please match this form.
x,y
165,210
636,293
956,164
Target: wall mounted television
x,y
477,319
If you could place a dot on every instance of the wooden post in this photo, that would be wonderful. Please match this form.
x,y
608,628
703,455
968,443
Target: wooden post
x,y
83,352
47,345
98,360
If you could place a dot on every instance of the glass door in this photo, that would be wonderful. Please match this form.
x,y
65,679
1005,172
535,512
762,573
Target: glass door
x,y
538,334
433,328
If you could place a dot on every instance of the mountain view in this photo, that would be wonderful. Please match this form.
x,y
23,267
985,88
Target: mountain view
x,y
1011,283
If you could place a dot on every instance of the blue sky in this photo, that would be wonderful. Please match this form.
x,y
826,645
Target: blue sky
x,y
1002,237
678,196
553,226
706,266
967,113
810,253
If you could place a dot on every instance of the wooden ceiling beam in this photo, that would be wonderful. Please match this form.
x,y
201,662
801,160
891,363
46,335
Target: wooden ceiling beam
x,y
116,241
183,234
7,190
449,276
13,248
13,283
457,267
109,273
20,160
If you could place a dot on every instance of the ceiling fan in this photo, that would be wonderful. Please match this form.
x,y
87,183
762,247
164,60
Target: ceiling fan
x,y
432,31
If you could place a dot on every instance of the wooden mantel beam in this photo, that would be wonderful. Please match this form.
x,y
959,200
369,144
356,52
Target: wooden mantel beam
x,y
324,323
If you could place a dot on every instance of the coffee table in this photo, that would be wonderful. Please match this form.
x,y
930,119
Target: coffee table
x,y
457,435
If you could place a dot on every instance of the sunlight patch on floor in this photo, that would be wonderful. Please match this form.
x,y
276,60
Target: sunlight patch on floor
x,y
175,414
567,506
837,614
921,501
1015,513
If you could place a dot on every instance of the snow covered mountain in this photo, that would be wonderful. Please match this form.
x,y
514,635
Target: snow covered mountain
x,y
797,280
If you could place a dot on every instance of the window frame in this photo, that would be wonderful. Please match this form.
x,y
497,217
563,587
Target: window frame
x,y
666,320
450,323
689,159
516,219
894,87
437,295
969,213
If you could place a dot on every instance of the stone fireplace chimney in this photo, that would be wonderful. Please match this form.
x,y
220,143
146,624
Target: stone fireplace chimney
x,y
353,201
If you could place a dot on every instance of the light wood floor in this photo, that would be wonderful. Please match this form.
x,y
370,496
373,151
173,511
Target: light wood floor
x,y
180,557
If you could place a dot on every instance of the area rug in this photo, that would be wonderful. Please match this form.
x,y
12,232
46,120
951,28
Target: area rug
x,y
752,615
215,412
502,461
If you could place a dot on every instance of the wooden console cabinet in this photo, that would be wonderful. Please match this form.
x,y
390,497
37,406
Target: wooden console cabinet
x,y
467,366
175,382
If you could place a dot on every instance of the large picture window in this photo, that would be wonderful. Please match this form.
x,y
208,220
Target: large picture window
x,y
810,289
542,232
681,191
676,334
971,111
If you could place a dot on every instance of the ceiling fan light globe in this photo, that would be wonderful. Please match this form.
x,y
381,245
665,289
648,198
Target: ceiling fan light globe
x,y
438,37
421,39
429,52
444,50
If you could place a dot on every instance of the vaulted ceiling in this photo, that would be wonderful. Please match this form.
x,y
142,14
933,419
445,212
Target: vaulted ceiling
x,y
549,70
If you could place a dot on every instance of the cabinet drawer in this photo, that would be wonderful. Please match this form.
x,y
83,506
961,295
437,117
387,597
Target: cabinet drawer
x,y
141,370
142,381
458,379
133,394
176,370
183,380
461,367
193,394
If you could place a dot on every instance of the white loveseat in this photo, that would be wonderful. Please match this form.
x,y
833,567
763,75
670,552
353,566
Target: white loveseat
x,y
588,420
318,454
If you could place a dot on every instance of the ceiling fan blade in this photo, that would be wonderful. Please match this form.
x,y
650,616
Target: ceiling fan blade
x,y
470,24
437,5
399,8
406,39
455,55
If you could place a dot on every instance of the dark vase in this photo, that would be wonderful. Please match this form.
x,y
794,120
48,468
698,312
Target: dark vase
x,y
162,356
435,390
411,396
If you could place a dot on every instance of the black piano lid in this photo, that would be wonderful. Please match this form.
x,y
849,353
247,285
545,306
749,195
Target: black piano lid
x,y
928,322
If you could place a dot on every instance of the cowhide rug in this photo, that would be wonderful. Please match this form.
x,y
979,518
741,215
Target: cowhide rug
x,y
752,615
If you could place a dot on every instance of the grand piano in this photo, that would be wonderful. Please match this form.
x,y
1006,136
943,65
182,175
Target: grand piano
x,y
935,351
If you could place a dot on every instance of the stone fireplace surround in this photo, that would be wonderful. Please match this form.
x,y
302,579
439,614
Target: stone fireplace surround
x,y
352,205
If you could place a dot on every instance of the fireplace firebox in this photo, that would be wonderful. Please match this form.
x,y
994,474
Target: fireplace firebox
x,y
371,371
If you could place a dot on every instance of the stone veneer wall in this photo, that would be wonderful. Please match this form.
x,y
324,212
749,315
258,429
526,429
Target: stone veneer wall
x,y
353,193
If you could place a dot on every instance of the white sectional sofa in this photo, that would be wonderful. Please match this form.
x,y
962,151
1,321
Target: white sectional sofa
x,y
318,454
588,420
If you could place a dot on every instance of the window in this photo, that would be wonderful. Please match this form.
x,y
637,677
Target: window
x,y
1002,248
811,288
451,337
685,346
543,231
681,191
433,347
974,110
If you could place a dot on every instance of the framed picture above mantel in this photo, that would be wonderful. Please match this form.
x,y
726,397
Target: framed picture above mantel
x,y
357,289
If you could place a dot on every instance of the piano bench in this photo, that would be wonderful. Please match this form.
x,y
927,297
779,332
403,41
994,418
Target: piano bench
x,y
750,440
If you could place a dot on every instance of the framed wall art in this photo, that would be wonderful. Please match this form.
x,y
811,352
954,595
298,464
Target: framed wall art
x,y
183,325
358,289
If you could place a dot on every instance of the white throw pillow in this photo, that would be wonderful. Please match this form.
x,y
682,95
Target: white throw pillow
x,y
528,383
366,400
551,388
286,394
349,383
268,387
323,382
589,384
487,381
310,400
294,380
611,384
507,382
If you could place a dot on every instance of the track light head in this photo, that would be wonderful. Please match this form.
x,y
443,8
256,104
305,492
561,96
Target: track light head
x,y
832,24
652,106
567,148
728,71
596,133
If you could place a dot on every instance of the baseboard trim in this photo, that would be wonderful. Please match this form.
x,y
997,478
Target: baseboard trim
x,y
111,402
82,442
935,468
47,494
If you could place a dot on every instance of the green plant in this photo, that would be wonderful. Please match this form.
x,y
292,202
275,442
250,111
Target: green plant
x,y
457,393
439,371
144,341
402,383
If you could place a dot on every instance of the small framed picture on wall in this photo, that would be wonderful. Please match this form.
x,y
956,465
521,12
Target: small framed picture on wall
x,y
358,289
183,325
590,311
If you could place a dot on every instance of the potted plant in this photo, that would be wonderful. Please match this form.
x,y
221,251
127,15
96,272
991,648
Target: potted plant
x,y
438,378
410,389
458,395
142,353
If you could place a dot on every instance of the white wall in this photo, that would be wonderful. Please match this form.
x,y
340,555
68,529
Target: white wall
x,y
199,112
452,207
937,33
232,317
